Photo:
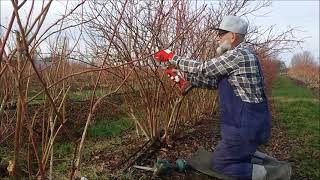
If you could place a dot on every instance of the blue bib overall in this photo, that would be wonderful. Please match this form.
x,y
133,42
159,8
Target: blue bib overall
x,y
244,126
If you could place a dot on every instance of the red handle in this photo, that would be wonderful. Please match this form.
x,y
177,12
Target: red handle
x,y
183,85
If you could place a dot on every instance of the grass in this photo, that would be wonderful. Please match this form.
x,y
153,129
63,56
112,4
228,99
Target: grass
x,y
285,87
298,113
73,95
102,135
110,127
84,94
62,149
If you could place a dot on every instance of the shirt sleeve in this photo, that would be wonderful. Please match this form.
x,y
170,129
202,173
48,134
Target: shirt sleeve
x,y
223,65
199,81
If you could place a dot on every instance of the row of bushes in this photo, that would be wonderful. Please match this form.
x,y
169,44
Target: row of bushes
x,y
306,73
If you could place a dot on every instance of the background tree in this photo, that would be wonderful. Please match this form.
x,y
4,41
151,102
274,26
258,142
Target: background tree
x,y
305,57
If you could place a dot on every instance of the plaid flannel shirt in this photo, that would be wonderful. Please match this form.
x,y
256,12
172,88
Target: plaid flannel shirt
x,y
240,66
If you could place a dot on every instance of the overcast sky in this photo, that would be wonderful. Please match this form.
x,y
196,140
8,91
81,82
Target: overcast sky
x,y
283,14
302,14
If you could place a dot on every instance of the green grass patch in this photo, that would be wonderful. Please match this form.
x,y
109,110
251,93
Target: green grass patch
x,y
72,95
285,87
78,95
85,94
95,143
63,149
110,127
298,114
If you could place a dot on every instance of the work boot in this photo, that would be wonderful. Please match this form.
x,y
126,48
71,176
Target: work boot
x,y
282,171
259,172
276,170
263,159
264,156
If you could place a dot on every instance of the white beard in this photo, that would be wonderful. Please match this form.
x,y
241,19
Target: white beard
x,y
224,47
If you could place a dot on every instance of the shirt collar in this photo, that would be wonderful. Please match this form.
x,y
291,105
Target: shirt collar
x,y
241,45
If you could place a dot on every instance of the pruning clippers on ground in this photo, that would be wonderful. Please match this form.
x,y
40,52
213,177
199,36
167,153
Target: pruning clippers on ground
x,y
164,57
163,167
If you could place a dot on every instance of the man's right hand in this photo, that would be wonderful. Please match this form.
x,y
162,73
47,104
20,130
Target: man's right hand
x,y
163,55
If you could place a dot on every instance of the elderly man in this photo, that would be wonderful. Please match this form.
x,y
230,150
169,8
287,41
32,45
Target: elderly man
x,y
244,113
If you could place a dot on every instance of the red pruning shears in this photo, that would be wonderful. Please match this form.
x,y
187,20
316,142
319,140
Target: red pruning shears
x,y
175,75
164,57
